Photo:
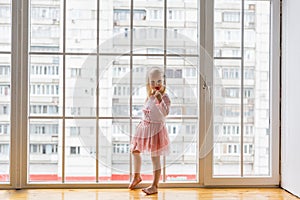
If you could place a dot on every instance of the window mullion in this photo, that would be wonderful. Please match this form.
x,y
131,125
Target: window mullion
x,y
164,67
130,82
242,86
97,92
64,93
19,88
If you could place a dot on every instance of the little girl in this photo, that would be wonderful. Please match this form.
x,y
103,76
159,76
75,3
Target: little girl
x,y
151,133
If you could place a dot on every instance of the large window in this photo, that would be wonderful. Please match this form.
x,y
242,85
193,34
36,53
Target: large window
x,y
72,89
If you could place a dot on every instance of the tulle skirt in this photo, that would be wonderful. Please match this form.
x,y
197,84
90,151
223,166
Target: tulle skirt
x,y
151,138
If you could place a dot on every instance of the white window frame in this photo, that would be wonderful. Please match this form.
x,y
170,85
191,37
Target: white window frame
x,y
274,178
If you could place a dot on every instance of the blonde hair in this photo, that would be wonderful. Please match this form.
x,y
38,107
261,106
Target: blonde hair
x,y
148,88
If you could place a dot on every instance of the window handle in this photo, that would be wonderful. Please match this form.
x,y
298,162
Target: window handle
x,y
204,86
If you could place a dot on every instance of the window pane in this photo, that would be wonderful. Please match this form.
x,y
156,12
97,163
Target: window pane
x,y
45,100
45,88
114,26
257,90
227,118
5,98
45,25
182,83
80,163
114,86
44,150
5,25
81,82
114,160
5,89
148,23
227,28
182,27
181,164
81,27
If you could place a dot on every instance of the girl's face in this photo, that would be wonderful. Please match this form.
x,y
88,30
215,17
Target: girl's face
x,y
155,80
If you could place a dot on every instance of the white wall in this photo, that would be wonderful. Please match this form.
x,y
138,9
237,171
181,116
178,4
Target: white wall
x,y
291,97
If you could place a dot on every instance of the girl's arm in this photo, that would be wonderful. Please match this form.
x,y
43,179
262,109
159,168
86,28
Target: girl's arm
x,y
164,105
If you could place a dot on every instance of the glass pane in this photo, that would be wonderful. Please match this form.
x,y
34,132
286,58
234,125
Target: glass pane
x,y
5,90
80,163
114,86
182,26
257,147
81,26
5,25
227,28
45,85
114,26
181,164
5,98
148,24
227,118
44,150
81,82
182,81
45,25
114,150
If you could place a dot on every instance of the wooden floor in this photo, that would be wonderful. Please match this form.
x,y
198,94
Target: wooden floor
x,y
163,194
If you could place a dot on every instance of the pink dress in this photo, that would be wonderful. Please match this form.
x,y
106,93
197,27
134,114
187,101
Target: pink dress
x,y
151,133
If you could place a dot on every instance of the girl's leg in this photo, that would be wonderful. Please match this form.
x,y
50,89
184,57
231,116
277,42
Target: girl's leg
x,y
152,189
137,162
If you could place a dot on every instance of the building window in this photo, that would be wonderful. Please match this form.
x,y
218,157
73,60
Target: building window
x,y
120,148
44,70
75,110
124,15
4,129
4,149
4,109
249,74
74,150
232,149
4,90
43,109
231,129
4,69
44,89
232,92
75,72
231,16
48,129
231,73
74,131
43,148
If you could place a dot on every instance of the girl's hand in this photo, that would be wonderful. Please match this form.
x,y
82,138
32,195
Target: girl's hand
x,y
153,92
158,95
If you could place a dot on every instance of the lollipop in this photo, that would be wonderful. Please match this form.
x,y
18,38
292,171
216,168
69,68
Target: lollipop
x,y
157,87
